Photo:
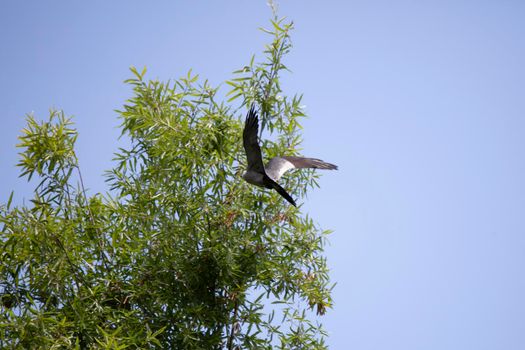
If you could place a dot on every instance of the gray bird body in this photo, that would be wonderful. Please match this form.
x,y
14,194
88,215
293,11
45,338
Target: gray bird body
x,y
259,175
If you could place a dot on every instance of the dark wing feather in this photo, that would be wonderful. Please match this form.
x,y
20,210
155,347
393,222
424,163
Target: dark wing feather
x,y
251,145
269,183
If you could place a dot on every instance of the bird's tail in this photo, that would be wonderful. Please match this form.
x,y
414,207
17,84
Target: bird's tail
x,y
272,184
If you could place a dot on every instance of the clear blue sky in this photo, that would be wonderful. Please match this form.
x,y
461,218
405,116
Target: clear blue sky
x,y
420,103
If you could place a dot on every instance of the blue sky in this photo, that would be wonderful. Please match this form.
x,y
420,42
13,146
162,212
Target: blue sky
x,y
420,103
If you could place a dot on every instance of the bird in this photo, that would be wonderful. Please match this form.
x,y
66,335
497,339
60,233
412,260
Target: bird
x,y
259,175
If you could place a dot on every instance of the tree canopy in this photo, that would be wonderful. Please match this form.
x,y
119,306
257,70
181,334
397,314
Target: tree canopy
x,y
181,253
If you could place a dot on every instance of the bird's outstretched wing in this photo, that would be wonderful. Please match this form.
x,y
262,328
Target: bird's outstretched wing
x,y
251,145
277,166
269,183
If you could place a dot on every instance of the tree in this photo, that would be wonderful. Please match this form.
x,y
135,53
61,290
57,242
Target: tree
x,y
181,254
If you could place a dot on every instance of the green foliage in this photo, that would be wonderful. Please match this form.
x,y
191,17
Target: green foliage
x,y
182,254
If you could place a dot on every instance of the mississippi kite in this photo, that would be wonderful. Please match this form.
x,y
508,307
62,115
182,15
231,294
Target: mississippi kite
x,y
267,177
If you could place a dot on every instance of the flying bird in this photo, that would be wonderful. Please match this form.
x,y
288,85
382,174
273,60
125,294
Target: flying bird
x,y
267,177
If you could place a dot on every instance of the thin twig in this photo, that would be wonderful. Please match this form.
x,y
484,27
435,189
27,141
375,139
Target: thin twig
x,y
232,332
92,218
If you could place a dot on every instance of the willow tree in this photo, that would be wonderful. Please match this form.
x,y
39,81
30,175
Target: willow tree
x,y
181,253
